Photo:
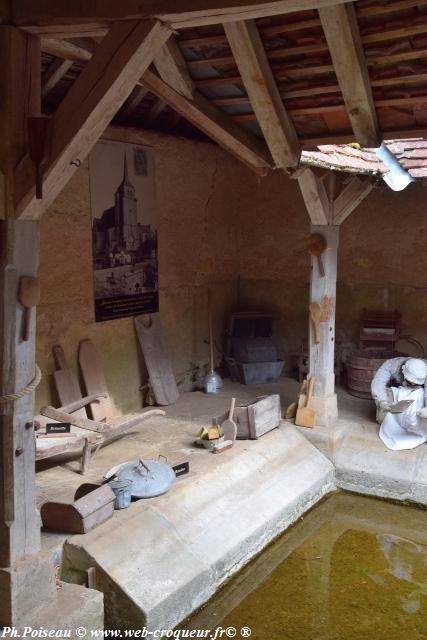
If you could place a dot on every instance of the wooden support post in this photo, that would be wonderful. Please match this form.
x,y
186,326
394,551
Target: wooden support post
x,y
25,578
323,292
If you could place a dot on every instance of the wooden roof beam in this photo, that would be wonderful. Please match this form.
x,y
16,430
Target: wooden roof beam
x,y
88,108
214,123
342,34
350,198
53,74
251,59
40,14
218,125
172,68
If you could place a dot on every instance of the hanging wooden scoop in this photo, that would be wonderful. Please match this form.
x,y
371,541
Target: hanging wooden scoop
x,y
29,296
315,312
316,245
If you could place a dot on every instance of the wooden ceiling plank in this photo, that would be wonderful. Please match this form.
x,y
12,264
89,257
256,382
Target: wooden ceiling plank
x,y
214,123
315,196
260,85
53,74
172,68
88,108
350,198
342,34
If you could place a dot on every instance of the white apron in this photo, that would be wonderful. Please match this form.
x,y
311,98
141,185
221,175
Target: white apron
x,y
405,430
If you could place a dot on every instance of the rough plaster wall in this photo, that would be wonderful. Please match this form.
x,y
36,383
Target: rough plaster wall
x,y
383,262
196,199
274,269
221,226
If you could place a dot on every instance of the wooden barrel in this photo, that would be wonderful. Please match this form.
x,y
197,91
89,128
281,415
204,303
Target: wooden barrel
x,y
361,368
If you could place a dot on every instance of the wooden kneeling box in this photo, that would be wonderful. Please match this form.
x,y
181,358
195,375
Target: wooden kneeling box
x,y
257,418
82,515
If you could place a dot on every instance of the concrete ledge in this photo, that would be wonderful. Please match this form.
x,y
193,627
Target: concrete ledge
x,y
160,560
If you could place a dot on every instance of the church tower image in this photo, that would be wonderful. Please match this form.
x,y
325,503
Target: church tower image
x,y
125,214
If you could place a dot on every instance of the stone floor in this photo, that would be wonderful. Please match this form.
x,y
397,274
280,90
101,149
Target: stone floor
x,y
161,558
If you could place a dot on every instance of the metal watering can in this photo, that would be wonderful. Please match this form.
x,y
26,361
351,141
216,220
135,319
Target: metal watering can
x,y
123,492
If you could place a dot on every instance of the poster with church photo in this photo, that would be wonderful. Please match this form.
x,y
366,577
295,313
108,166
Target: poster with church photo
x,y
124,234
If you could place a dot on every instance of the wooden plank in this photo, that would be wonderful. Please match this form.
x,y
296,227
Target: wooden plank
x,y
186,13
172,69
88,108
53,74
68,389
215,123
315,197
260,85
342,34
157,360
350,198
94,380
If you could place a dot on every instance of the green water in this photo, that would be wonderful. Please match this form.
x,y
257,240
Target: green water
x,y
352,568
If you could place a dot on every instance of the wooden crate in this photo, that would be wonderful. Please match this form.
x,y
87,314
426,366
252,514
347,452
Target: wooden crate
x,y
256,418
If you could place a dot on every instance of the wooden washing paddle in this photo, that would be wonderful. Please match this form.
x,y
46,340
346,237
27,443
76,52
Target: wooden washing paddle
x,y
291,411
29,296
315,312
229,427
316,245
305,416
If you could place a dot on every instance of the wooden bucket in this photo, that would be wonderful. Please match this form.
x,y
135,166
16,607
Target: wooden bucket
x,y
361,368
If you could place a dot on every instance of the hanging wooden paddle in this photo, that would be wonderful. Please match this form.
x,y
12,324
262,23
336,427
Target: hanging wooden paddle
x,y
315,312
316,245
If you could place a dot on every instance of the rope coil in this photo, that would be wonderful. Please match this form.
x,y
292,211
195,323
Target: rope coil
x,y
26,390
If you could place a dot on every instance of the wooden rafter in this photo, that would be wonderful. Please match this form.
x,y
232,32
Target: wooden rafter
x,y
214,122
172,68
88,108
53,74
342,34
252,62
206,117
36,14
350,198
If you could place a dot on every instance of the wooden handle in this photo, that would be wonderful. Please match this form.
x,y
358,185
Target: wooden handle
x,y
320,265
211,349
232,405
310,391
27,321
